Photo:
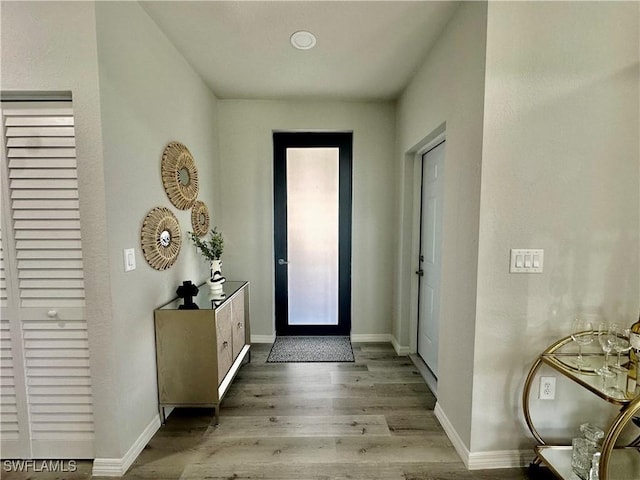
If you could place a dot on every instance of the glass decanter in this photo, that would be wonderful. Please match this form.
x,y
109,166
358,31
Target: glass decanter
x,y
584,448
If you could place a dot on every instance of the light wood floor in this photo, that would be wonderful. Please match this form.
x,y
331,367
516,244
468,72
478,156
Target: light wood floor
x,y
368,420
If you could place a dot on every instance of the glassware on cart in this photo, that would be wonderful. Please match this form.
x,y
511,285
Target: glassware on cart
x,y
622,345
584,448
606,338
582,334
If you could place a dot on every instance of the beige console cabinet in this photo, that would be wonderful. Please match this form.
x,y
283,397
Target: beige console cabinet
x,y
199,352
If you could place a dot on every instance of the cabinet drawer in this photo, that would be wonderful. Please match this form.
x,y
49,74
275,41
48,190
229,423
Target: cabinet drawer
x,y
237,324
224,341
185,357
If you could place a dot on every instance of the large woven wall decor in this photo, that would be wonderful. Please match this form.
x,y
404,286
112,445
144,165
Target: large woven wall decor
x,y
179,175
200,218
160,238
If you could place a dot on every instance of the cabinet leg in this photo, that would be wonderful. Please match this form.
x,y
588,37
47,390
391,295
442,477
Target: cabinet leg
x,y
163,419
216,419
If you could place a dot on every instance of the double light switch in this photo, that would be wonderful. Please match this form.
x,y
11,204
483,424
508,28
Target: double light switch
x,y
529,260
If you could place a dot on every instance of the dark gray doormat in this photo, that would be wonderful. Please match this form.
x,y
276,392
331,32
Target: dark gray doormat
x,y
311,349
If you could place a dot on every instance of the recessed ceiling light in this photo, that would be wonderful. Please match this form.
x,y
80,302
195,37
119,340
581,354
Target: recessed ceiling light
x,y
303,40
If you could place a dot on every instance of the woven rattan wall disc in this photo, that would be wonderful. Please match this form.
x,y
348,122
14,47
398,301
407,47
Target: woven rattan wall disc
x,y
160,238
200,218
179,175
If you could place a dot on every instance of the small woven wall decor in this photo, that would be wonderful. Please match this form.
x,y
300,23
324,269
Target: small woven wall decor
x,y
200,218
160,238
179,175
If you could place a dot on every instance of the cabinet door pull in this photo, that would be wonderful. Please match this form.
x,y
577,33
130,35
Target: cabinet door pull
x,y
225,344
239,324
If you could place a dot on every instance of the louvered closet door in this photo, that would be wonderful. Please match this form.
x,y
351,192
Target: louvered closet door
x,y
39,165
14,424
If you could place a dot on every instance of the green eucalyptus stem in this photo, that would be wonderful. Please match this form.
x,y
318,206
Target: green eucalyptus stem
x,y
212,248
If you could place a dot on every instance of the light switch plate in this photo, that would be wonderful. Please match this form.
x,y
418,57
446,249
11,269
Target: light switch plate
x,y
526,260
129,259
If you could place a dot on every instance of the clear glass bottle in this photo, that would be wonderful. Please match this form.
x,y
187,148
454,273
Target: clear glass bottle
x,y
584,448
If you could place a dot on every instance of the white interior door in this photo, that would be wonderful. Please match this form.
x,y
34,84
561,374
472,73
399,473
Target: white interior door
x,y
430,255
14,416
47,404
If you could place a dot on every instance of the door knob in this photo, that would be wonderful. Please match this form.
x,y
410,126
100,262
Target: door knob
x,y
282,261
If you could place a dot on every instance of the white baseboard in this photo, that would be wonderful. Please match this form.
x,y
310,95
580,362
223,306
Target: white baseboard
x,y
457,442
500,459
482,460
370,337
263,338
400,350
117,467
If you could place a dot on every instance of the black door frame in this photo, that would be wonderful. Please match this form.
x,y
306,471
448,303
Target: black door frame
x,y
343,141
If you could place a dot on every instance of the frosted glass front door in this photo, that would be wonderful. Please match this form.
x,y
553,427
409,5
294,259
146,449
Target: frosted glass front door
x,y
312,235
312,174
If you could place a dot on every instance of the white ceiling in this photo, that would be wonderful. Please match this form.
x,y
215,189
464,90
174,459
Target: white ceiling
x,y
366,50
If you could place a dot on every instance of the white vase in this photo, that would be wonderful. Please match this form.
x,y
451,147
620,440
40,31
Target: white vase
x,y
216,279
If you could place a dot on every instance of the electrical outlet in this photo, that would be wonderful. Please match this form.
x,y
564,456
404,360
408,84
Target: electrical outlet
x,y
547,388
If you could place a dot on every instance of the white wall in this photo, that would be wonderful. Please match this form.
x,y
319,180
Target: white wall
x,y
132,94
556,135
246,153
150,96
449,88
560,171
51,46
